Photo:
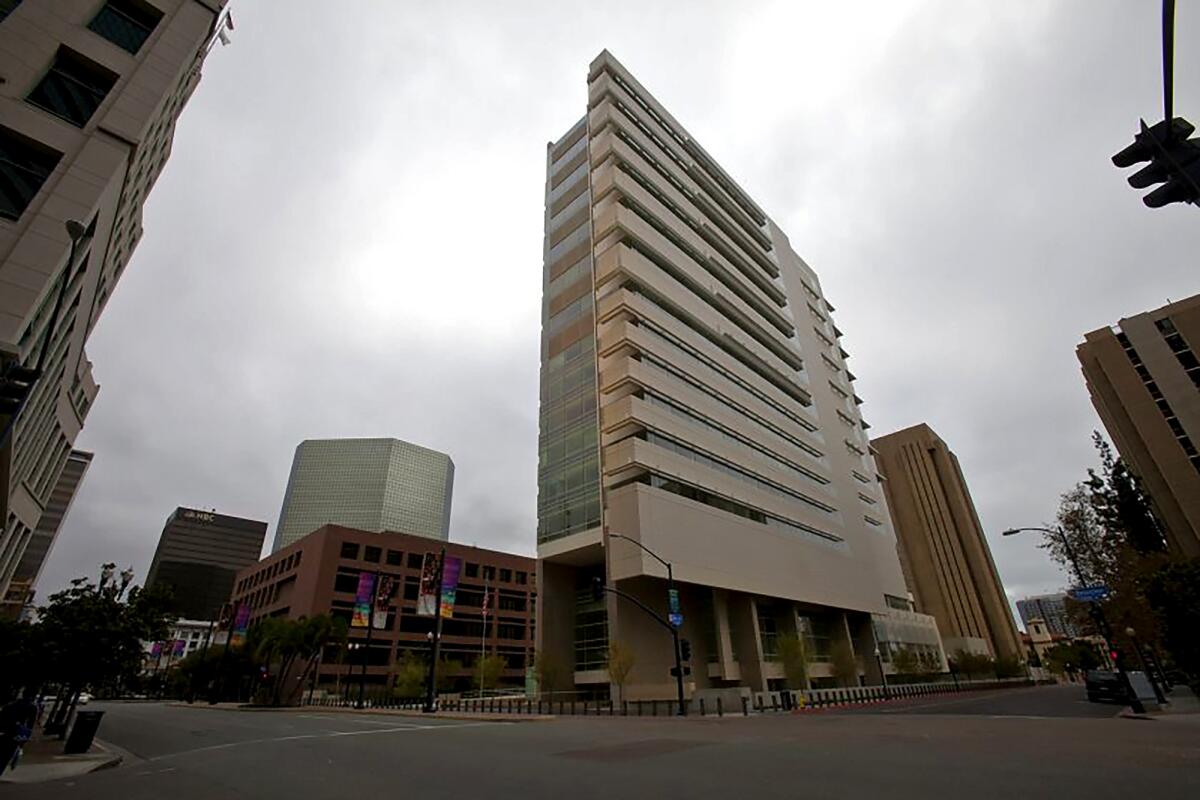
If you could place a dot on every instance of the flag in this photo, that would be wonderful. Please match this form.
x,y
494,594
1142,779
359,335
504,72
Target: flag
x,y
427,601
383,595
450,571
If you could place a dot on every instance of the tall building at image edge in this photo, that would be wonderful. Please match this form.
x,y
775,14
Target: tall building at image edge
x,y
89,97
1143,375
695,398
29,568
1051,609
366,484
198,555
945,556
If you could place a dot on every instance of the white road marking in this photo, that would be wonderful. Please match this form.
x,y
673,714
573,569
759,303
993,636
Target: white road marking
x,y
327,735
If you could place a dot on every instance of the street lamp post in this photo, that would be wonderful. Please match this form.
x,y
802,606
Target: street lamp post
x,y
674,630
1094,610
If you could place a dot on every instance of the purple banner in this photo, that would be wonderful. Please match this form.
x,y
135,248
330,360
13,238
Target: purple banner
x,y
241,621
180,646
450,572
156,649
364,598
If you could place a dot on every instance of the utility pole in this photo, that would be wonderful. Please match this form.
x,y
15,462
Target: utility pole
x,y
362,683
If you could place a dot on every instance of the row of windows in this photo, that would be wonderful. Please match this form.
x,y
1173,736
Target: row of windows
x,y
372,554
733,471
72,89
707,498
569,277
274,570
738,352
730,437
569,313
1182,350
1164,407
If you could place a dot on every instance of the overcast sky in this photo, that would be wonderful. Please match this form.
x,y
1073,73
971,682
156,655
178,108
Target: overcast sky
x,y
347,238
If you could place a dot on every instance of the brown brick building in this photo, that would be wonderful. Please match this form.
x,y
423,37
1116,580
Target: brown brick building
x,y
319,574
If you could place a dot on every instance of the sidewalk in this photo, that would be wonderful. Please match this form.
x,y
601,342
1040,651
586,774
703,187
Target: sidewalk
x,y
391,712
43,760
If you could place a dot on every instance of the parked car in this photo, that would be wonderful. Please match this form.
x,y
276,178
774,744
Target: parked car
x,y
1104,686
85,698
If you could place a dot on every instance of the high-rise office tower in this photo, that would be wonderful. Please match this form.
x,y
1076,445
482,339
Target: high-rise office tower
x,y
1144,379
198,555
1051,609
695,399
947,562
29,568
89,95
367,484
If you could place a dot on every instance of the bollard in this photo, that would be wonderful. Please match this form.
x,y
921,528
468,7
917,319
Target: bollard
x,y
702,706
745,706
639,707
624,708
720,707
774,702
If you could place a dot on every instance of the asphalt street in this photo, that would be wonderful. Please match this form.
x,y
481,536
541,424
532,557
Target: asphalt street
x,y
986,747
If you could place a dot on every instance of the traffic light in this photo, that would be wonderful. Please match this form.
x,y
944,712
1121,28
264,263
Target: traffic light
x,y
685,650
1174,162
16,382
598,589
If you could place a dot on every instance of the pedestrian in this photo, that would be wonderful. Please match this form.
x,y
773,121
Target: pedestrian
x,y
16,726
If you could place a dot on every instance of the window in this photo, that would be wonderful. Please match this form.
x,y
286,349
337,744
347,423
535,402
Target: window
x,y
73,88
349,550
395,558
24,167
505,575
411,590
472,570
522,578
345,582
372,554
415,560
126,23
489,573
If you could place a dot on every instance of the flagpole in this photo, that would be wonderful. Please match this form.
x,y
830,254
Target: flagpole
x,y
483,634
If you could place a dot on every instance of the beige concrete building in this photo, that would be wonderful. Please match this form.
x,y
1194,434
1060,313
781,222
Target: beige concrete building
x,y
946,559
695,399
89,95
1144,379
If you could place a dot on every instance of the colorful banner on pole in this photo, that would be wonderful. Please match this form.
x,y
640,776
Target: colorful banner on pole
x,y
178,648
383,596
427,600
156,649
450,571
241,622
364,598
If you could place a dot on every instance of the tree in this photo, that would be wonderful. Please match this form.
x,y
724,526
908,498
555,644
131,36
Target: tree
x,y
1009,667
549,669
1121,505
1174,593
845,667
491,668
411,674
447,674
1067,657
972,664
620,664
792,651
906,661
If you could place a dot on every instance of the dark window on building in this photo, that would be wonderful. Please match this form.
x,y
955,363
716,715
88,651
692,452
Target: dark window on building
x,y
126,23
73,88
24,167
414,560
411,591
395,558
489,573
522,577
349,550
505,575
471,570
372,554
345,582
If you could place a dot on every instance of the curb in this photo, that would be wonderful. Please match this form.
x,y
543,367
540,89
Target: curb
x,y
379,712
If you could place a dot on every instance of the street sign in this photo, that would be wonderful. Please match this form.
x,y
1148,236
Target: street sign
x,y
675,616
675,619
1089,594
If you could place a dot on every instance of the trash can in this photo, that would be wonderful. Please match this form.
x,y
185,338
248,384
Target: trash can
x,y
84,731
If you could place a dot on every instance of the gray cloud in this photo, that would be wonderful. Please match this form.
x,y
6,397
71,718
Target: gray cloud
x,y
347,238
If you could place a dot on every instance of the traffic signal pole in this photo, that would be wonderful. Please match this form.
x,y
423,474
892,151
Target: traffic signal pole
x,y
600,588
